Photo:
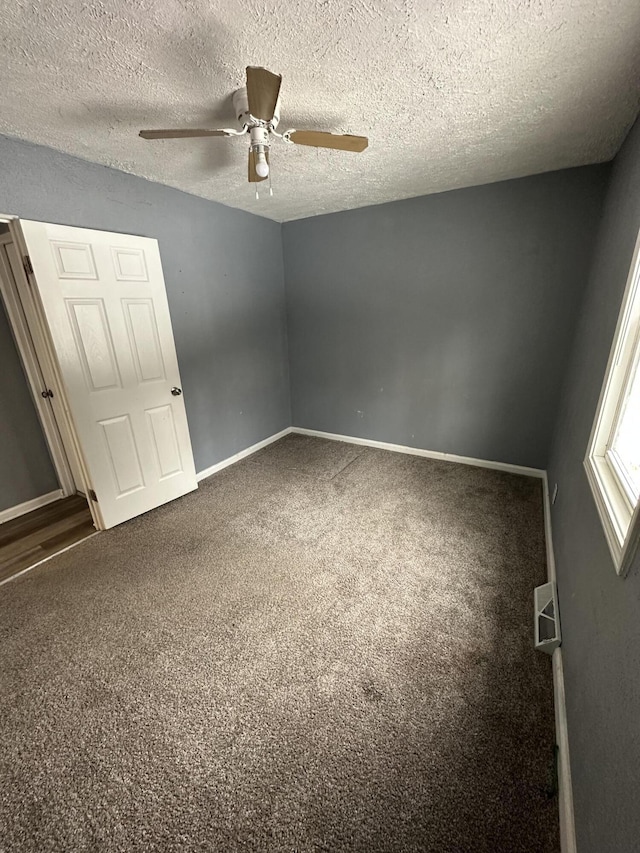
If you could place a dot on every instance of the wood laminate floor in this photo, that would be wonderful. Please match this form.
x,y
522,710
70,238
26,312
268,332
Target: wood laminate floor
x,y
30,538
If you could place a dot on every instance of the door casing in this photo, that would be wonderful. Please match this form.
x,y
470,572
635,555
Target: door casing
x,y
30,338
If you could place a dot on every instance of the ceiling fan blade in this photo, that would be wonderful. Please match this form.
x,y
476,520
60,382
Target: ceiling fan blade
x,y
263,89
254,177
320,139
180,134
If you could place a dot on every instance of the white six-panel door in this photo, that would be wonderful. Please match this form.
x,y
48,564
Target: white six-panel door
x,y
104,299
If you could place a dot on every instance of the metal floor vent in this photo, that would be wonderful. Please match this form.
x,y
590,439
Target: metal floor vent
x,y
546,618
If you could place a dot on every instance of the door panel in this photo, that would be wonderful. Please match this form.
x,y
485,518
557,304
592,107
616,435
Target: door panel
x,y
93,342
123,454
104,299
165,440
129,264
74,260
143,337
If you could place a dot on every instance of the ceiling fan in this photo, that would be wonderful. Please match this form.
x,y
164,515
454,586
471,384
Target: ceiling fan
x,y
257,107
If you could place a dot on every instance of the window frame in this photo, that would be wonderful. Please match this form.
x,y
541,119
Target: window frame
x,y
620,518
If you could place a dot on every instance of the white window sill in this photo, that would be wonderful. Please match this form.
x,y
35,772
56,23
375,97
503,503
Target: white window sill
x,y
621,525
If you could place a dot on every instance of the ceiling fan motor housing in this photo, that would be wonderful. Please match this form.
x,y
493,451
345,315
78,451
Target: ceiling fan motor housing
x,y
241,108
259,138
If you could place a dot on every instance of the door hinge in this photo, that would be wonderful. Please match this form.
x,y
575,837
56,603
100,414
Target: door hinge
x,y
28,266
93,496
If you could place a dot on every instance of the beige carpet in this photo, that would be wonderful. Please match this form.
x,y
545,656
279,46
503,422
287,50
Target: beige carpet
x,y
324,648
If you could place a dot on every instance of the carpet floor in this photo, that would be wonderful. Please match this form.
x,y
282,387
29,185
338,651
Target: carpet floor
x,y
324,648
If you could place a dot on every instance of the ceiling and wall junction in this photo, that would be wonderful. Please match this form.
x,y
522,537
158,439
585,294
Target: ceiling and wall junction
x,y
450,94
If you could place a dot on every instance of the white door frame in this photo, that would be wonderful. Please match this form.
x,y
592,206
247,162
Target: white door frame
x,y
34,347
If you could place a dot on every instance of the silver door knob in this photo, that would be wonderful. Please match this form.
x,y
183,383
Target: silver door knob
x,y
176,392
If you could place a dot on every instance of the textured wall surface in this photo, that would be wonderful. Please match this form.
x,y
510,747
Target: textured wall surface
x,y
25,467
224,277
450,94
442,322
600,612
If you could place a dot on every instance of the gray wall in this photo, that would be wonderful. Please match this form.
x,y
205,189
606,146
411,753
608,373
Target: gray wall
x,y
600,612
224,276
442,322
25,468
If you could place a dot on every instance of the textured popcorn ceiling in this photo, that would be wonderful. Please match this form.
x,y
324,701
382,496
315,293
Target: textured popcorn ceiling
x,y
451,93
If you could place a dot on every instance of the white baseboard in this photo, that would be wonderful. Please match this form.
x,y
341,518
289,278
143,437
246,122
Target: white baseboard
x,y
565,790
429,454
366,442
29,506
201,475
548,538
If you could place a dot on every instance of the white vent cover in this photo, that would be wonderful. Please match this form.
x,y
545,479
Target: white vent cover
x,y
546,618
